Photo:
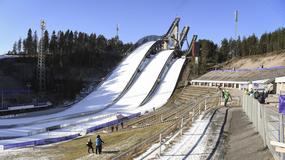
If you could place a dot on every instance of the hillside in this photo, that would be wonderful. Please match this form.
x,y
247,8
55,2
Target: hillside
x,y
255,61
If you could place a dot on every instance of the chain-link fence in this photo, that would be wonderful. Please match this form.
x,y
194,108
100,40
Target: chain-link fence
x,y
267,122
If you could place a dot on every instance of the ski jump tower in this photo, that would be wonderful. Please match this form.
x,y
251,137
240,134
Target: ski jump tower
x,y
172,39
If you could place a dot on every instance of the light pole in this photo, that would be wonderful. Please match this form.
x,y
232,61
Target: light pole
x,y
41,61
236,23
236,32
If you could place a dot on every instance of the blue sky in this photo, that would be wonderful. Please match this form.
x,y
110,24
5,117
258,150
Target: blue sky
x,y
210,19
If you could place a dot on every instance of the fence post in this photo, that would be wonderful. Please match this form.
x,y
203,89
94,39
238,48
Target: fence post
x,y
160,140
246,104
253,112
243,102
161,119
263,124
281,133
256,114
267,139
193,115
205,105
258,117
251,104
181,126
221,100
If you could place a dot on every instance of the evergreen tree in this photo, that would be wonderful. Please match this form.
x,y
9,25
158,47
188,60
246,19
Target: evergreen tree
x,y
19,47
25,51
14,51
263,43
29,42
53,43
238,47
224,51
35,42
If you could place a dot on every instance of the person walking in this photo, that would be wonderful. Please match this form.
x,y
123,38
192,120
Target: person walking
x,y
99,142
122,125
227,95
90,146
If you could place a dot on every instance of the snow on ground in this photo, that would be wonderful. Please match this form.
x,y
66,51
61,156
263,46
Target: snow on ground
x,y
100,98
5,56
74,125
72,130
141,87
193,144
166,87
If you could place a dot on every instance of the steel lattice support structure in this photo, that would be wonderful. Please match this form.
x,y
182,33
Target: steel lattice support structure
x,y
41,68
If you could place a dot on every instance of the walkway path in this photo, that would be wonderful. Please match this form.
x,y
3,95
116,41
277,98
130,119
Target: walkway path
x,y
240,140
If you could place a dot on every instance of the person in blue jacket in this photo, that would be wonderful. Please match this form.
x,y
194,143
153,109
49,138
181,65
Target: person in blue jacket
x,y
99,142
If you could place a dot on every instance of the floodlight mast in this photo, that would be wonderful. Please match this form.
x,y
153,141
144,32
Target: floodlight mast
x,y
41,61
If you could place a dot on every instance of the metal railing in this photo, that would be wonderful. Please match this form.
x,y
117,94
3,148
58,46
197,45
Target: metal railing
x,y
175,128
266,121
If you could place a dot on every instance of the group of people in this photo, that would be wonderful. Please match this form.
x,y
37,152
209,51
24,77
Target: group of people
x,y
98,143
117,127
260,96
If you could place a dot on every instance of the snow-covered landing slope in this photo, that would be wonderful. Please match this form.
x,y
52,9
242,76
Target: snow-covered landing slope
x,y
165,88
143,85
161,95
100,98
134,96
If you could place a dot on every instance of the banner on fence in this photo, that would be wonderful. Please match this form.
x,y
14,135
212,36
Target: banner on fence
x,y
282,104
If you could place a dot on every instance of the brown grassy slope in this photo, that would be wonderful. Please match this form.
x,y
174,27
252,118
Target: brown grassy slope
x,y
255,61
115,143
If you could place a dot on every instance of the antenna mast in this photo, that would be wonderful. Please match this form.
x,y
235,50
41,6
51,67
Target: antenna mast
x,y
117,34
236,24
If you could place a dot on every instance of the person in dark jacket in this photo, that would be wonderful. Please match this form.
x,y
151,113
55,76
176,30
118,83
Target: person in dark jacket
x,y
99,142
256,94
262,98
90,146
122,125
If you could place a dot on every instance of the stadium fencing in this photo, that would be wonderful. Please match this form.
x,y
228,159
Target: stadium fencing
x,y
268,122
